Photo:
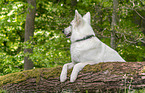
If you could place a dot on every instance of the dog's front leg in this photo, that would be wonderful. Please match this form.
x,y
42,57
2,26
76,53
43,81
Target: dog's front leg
x,y
77,68
63,75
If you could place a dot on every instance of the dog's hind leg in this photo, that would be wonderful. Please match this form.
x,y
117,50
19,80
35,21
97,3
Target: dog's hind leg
x,y
63,75
78,67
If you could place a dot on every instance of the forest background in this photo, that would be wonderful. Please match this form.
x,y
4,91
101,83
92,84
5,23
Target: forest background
x,y
49,44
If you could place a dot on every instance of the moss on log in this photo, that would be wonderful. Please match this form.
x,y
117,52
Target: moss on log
x,y
102,77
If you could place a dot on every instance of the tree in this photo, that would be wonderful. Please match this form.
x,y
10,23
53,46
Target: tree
x,y
114,24
29,32
114,77
73,3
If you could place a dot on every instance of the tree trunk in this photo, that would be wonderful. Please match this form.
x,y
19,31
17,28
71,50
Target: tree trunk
x,y
29,31
143,30
73,3
113,24
110,77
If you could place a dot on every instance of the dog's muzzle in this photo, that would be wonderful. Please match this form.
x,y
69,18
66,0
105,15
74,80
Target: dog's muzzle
x,y
68,35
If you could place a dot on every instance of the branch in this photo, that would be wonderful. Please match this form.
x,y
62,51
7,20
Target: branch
x,y
136,40
142,40
139,14
103,77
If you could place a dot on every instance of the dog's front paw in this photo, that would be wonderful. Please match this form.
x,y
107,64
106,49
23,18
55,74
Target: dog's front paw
x,y
73,77
63,77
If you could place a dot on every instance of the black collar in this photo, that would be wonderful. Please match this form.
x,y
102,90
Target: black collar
x,y
87,37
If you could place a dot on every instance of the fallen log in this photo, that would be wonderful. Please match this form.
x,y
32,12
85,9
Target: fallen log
x,y
102,77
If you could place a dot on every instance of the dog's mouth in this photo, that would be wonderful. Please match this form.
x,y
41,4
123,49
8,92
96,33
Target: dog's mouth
x,y
68,35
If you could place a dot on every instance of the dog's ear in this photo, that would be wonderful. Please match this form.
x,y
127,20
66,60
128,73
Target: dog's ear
x,y
87,17
78,17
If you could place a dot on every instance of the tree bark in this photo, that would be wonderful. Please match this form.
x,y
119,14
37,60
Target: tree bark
x,y
143,30
113,24
73,3
104,77
29,31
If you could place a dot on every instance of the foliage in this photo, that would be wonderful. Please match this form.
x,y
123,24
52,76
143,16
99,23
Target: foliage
x,y
3,91
50,47
137,91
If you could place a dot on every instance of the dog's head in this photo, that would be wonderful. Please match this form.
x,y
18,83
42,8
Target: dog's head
x,y
76,22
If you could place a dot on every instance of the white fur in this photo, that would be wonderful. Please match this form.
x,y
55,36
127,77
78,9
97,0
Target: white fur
x,y
90,51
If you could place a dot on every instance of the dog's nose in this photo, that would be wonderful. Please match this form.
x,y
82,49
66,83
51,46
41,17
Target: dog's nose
x,y
62,31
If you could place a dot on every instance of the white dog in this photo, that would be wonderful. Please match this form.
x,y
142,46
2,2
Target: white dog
x,y
85,47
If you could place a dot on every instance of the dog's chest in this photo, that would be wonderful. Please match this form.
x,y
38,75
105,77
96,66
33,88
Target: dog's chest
x,y
75,52
80,48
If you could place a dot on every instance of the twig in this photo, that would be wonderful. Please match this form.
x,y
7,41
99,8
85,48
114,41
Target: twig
x,y
139,14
